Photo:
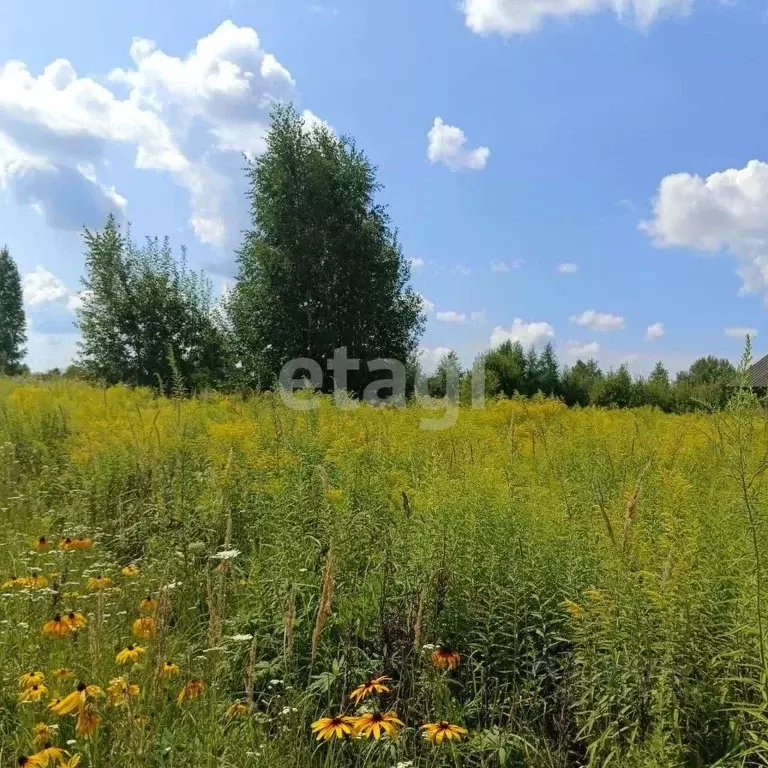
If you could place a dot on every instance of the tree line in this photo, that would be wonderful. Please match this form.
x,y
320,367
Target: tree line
x,y
320,268
509,370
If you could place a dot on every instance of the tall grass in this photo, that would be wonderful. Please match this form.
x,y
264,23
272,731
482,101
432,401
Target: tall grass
x,y
601,573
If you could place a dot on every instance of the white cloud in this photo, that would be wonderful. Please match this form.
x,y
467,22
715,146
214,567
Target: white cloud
x,y
416,262
598,321
41,287
739,332
50,306
517,17
460,269
447,145
567,268
478,317
451,317
654,331
725,210
525,333
582,349
188,117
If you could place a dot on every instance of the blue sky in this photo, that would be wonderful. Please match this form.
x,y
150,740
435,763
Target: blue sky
x,y
624,138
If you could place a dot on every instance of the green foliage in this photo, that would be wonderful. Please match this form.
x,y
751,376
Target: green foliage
x,y
321,268
579,382
447,377
145,319
13,323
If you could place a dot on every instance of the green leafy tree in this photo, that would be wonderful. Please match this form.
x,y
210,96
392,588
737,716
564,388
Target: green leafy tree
x,y
615,389
505,369
707,384
145,319
321,267
447,376
13,323
580,381
657,388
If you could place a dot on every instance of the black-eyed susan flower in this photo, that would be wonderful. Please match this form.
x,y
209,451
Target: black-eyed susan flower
x,y
13,581
43,733
373,724
70,702
374,685
58,626
87,723
237,709
62,673
144,627
130,653
338,727
67,544
76,619
99,582
50,755
190,691
120,690
130,570
148,605
36,582
72,762
80,543
574,609
28,679
445,657
42,545
30,761
169,669
443,731
33,693
75,700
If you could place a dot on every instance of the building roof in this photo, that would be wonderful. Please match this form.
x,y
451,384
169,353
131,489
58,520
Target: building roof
x,y
758,373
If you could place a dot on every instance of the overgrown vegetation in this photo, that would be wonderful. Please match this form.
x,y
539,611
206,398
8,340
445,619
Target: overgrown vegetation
x,y
601,575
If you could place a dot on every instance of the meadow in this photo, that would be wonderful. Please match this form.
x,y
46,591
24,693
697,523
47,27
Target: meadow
x,y
195,582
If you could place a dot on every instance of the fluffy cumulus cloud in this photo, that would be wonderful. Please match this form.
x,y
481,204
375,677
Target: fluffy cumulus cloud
x,y
42,287
727,210
599,321
525,333
654,331
579,349
739,332
50,304
447,145
189,117
519,17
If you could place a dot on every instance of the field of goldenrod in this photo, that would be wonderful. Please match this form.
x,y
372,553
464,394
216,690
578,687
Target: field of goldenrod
x,y
227,582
